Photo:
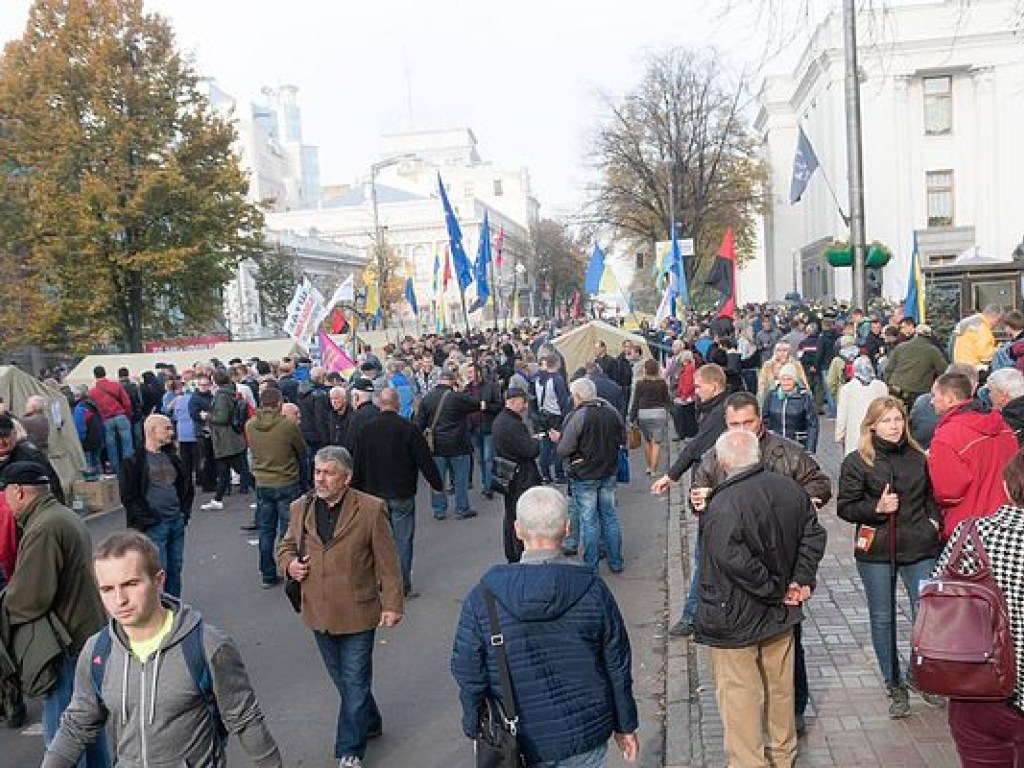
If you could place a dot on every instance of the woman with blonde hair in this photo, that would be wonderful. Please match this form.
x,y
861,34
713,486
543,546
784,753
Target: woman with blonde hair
x,y
649,408
884,490
771,368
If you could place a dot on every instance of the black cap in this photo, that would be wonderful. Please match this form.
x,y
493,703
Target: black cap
x,y
517,392
6,425
363,385
24,473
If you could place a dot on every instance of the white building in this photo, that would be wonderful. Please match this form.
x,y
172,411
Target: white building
x,y
942,93
409,209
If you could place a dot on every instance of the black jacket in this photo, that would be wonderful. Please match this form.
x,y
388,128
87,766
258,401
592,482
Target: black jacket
x,y
451,433
608,390
289,386
199,402
794,416
361,416
591,436
918,520
314,403
134,482
513,441
1013,415
489,390
389,454
338,425
760,533
712,424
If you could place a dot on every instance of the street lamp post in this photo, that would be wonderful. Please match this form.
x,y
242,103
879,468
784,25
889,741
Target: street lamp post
x,y
378,232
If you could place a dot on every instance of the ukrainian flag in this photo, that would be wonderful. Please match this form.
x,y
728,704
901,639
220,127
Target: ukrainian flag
x,y
914,306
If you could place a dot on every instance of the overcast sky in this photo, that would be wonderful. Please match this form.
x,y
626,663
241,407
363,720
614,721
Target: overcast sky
x,y
527,77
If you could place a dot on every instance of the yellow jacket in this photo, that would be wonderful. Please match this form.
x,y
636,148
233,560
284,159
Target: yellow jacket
x,y
975,344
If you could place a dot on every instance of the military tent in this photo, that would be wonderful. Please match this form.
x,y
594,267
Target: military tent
x,y
577,346
136,363
16,387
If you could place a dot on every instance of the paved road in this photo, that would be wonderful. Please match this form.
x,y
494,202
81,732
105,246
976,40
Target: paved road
x,y
415,691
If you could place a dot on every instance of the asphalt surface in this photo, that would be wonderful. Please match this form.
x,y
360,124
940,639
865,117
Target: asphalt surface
x,y
414,689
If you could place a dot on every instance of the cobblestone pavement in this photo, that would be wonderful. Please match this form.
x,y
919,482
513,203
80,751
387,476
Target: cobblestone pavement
x,y
848,724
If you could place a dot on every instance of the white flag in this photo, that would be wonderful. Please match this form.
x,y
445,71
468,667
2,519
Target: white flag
x,y
344,292
665,308
305,312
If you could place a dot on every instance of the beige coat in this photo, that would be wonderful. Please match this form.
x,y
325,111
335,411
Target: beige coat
x,y
352,577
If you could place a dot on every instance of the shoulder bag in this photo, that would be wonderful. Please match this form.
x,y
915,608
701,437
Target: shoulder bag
x,y
293,588
428,433
961,646
497,744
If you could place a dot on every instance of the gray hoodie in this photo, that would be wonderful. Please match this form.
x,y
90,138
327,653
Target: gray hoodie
x,y
158,717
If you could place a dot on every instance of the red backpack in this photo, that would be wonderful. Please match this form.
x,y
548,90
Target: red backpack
x,y
961,646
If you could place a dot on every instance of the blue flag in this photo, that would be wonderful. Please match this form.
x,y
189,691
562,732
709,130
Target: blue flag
x,y
595,271
463,272
805,163
410,296
677,274
483,263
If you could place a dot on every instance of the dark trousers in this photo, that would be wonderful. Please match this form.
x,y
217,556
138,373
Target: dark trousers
x,y
207,465
235,462
801,691
987,733
189,452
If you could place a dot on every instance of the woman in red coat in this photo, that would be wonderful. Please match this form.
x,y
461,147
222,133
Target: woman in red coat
x,y
685,397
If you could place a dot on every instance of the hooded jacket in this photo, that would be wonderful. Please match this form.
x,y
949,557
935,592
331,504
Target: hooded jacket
x,y
314,403
568,655
276,446
793,415
157,716
965,461
1013,415
711,414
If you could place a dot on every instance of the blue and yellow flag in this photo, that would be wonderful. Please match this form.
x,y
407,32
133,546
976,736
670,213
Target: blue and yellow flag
x,y
914,306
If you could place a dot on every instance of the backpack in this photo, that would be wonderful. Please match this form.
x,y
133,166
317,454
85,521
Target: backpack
x,y
961,646
195,659
241,412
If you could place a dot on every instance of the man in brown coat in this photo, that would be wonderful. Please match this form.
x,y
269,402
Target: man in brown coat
x,y
347,564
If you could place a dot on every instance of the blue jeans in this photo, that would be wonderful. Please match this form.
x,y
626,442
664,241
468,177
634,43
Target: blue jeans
x,y
169,537
830,403
690,606
484,444
875,577
595,758
117,431
548,457
54,704
349,662
459,466
599,520
402,513
94,462
272,520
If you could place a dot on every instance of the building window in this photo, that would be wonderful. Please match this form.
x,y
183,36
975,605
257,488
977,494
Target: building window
x,y
938,105
940,198
467,189
498,191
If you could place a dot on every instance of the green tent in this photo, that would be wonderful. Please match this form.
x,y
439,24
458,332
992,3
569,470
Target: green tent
x,y
16,387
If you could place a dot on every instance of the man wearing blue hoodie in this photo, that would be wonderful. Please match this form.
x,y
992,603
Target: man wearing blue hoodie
x,y
137,674
567,646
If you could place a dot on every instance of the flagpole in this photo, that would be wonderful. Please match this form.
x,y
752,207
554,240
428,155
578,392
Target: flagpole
x,y
494,292
465,312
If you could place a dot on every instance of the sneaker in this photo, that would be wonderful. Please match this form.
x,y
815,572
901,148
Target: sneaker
x,y
212,504
249,527
252,506
270,584
682,628
489,495
899,702
570,551
466,515
410,594
350,761
931,699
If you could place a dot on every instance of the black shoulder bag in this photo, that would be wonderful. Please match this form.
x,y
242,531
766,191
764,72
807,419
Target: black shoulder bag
x,y
293,588
497,744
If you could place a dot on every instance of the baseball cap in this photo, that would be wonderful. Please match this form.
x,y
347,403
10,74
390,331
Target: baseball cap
x,y
24,473
363,385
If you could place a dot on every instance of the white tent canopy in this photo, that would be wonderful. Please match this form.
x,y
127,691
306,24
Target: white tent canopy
x,y
577,346
136,363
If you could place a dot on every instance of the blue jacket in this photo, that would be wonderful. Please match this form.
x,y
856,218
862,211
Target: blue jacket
x,y
794,416
568,654
406,394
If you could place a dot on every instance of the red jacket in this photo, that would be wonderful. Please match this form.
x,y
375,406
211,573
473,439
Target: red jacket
x,y
966,460
111,399
685,389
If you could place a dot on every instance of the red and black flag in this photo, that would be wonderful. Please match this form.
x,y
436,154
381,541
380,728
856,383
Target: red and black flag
x,y
339,323
723,275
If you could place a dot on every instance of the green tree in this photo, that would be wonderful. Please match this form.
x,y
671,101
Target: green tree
x,y
128,208
559,261
277,275
679,143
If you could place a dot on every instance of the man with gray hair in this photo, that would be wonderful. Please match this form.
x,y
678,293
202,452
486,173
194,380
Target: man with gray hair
x,y
566,642
761,547
1006,390
589,442
346,561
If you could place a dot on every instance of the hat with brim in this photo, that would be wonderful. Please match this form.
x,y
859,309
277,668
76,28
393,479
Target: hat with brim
x,y
24,473
363,385
514,392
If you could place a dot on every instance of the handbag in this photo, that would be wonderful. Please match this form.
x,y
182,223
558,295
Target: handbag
x,y
497,742
428,433
293,588
623,473
961,646
502,473
634,438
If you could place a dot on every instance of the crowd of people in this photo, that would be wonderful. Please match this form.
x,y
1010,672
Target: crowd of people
x,y
930,433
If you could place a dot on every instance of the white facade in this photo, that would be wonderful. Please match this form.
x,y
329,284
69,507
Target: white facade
x,y
946,165
410,212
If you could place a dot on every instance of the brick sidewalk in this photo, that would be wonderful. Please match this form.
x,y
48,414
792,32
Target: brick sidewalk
x,y
848,724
